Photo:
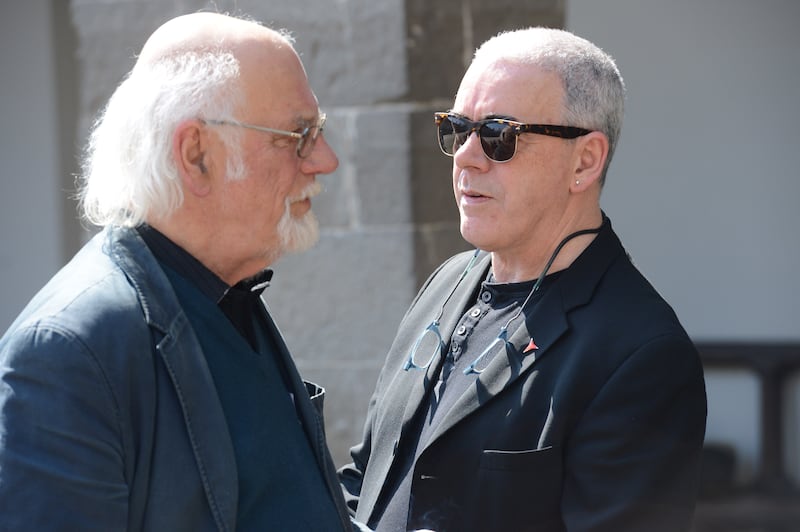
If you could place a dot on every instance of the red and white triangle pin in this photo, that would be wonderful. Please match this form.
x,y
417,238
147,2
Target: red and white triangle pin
x,y
531,347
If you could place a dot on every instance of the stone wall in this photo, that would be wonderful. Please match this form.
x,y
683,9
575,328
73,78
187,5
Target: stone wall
x,y
379,68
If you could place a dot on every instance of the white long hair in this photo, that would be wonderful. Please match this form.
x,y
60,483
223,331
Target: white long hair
x,y
128,170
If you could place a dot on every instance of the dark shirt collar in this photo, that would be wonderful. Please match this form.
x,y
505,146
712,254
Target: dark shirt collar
x,y
180,260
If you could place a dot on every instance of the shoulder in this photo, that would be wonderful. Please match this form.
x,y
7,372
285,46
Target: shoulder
x,y
90,306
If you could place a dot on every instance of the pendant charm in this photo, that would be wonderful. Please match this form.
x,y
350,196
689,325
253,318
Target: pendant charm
x,y
531,347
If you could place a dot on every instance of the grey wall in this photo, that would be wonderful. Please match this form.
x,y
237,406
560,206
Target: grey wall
x,y
704,187
31,201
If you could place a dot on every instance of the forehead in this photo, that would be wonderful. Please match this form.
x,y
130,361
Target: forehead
x,y
276,87
504,88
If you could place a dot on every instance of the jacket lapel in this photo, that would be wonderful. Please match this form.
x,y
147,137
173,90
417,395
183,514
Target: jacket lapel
x,y
205,420
182,356
460,301
545,325
407,391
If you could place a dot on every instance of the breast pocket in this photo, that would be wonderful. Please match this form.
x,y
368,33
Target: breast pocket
x,y
519,461
525,485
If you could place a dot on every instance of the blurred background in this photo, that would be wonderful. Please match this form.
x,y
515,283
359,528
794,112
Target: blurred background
x,y
702,190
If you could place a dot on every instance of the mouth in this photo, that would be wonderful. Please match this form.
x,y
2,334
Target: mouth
x,y
472,197
472,194
302,201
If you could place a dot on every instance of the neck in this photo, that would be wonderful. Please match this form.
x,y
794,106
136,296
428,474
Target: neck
x,y
204,245
557,254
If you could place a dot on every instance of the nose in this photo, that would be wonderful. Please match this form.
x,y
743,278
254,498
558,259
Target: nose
x,y
470,154
322,159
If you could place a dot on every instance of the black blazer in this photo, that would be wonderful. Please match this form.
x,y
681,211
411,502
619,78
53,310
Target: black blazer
x,y
600,428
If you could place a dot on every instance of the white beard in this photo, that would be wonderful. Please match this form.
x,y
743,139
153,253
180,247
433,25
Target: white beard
x,y
299,234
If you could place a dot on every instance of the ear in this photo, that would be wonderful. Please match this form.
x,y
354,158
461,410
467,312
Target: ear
x,y
189,149
590,157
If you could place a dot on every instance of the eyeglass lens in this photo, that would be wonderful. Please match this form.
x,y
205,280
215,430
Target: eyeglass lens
x,y
427,347
498,140
305,145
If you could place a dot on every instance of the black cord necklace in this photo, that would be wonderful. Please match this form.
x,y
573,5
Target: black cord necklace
x,y
502,337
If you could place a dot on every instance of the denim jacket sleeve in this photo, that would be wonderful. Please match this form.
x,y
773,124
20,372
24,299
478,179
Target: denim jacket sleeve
x,y
61,458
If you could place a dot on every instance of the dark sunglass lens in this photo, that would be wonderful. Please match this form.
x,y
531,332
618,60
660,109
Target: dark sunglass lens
x,y
449,140
498,140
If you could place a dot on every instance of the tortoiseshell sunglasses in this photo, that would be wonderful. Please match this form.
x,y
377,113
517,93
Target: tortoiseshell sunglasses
x,y
498,136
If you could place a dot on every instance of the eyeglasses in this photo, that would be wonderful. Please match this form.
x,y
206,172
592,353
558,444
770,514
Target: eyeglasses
x,y
412,361
433,327
305,138
498,136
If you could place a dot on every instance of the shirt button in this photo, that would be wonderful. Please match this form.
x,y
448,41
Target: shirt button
x,y
486,296
455,348
461,330
475,312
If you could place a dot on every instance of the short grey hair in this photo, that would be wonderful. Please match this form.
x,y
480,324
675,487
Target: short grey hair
x,y
128,169
594,92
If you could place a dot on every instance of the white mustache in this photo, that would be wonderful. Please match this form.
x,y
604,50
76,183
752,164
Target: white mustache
x,y
309,192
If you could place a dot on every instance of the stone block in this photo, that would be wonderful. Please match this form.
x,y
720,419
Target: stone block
x,y
338,306
353,49
433,244
382,159
344,298
110,36
488,19
435,48
371,185
336,207
431,172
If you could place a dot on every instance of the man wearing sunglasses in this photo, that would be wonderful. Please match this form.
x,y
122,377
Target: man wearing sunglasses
x,y
539,383
146,386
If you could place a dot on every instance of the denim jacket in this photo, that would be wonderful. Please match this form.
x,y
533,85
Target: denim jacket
x,y
109,418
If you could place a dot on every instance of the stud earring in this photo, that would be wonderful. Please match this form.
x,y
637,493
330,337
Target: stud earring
x,y
577,181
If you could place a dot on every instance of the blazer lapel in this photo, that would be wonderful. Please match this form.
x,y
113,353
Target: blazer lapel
x,y
454,309
407,390
544,326
205,420
183,358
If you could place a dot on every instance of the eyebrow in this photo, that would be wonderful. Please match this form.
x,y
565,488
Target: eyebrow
x,y
302,121
501,117
492,116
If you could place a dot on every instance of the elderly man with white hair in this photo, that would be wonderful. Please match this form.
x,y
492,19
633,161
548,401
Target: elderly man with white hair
x,y
146,386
